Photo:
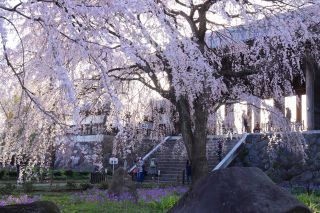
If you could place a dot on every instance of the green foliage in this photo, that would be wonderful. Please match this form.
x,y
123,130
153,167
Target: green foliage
x,y
69,204
149,185
84,173
103,185
71,185
57,173
12,174
8,188
27,187
69,173
2,174
311,200
275,165
165,203
85,186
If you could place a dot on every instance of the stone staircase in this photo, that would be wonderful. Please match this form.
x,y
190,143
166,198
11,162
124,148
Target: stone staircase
x,y
171,157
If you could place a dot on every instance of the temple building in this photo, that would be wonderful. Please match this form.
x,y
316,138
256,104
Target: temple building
x,y
303,106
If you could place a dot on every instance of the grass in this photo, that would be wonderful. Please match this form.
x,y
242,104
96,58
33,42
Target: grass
x,y
311,200
68,204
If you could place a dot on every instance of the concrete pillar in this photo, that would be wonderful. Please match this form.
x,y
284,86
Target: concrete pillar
x,y
279,104
299,124
229,118
257,112
310,95
250,117
299,108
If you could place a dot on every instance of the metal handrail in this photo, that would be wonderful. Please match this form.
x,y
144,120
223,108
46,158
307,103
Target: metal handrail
x,y
155,149
231,154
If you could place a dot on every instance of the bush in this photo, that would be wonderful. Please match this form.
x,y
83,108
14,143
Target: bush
x,y
57,173
71,185
165,203
2,174
9,188
27,187
84,173
103,185
69,173
13,174
85,186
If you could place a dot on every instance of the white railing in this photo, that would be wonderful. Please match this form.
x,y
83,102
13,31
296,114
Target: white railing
x,y
232,154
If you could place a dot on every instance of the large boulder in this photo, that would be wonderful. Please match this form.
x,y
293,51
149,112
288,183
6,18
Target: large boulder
x,y
237,189
35,207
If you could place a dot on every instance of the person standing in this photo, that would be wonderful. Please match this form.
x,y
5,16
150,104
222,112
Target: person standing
x,y
288,117
288,114
245,122
188,172
257,128
140,174
153,168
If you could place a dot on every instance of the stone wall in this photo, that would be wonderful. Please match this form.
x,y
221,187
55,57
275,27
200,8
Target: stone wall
x,y
293,158
84,156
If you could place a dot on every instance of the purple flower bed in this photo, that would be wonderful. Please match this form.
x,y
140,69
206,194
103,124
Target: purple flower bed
x,y
145,195
22,199
97,195
149,195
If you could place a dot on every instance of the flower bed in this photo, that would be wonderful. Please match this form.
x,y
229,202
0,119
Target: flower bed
x,y
21,199
144,195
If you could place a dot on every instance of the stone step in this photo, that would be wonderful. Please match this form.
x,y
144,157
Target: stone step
x,y
172,168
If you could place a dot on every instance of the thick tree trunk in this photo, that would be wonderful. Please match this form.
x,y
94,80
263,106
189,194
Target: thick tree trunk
x,y
194,136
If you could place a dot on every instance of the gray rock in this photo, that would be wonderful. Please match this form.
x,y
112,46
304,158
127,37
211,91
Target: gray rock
x,y
35,207
235,190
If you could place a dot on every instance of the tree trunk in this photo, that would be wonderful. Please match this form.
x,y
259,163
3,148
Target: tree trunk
x,y
195,139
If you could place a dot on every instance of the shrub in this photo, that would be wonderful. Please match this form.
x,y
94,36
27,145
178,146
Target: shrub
x,y
103,185
68,173
84,173
85,186
57,173
27,187
71,185
12,174
2,174
165,203
9,188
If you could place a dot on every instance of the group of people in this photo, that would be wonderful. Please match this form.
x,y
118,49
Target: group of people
x,y
245,124
139,171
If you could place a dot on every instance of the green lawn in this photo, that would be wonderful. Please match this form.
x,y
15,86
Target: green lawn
x,y
68,204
